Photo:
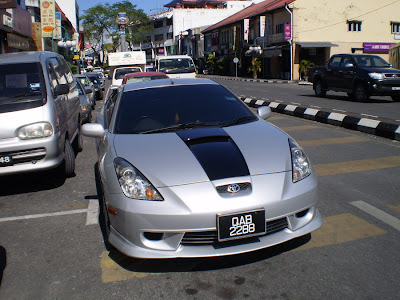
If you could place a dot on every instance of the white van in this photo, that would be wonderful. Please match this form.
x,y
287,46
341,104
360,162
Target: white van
x,y
39,113
176,66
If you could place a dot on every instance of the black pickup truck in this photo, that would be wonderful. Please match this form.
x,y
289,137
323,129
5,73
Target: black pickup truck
x,y
358,75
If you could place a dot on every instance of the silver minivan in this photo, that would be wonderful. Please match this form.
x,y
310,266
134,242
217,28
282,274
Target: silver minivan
x,y
39,113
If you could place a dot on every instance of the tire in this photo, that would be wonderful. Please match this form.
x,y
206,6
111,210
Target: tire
x,y
319,89
69,160
396,98
360,93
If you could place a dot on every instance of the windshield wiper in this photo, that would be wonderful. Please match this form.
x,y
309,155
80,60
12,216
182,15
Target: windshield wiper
x,y
239,121
181,126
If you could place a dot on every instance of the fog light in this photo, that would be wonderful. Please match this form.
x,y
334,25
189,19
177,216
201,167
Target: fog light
x,y
153,236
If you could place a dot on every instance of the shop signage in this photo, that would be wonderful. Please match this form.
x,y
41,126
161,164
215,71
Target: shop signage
x,y
288,32
377,47
47,15
262,25
18,42
8,3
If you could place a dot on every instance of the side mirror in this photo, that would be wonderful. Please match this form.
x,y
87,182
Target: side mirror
x,y
349,65
95,130
61,89
264,112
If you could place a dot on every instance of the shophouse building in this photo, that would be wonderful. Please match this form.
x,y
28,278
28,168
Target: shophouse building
x,y
291,31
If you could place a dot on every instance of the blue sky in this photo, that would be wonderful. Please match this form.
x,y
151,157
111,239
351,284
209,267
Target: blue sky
x,y
148,6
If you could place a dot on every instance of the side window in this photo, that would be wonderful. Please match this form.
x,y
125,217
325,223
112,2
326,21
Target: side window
x,y
335,62
346,60
52,77
109,109
59,70
67,70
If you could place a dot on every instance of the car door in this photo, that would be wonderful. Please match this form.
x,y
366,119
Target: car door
x,y
347,70
333,75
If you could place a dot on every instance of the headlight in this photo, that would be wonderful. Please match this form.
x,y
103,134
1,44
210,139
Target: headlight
x,y
35,131
301,166
376,75
133,183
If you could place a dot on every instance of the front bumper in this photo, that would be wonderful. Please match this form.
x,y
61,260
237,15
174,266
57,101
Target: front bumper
x,y
160,229
385,87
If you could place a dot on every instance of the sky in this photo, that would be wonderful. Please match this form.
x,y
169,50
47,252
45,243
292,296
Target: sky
x,y
148,6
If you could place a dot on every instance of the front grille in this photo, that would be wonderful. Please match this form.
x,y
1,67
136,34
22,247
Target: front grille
x,y
211,237
33,155
222,189
394,76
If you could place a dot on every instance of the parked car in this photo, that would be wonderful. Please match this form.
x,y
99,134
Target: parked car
x,y
39,113
98,69
358,75
188,170
143,76
86,108
119,74
87,83
98,83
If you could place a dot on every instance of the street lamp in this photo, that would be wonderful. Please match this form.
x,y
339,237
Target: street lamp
x,y
65,42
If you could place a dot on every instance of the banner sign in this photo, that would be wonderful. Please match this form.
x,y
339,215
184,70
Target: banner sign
x,y
57,33
37,35
377,47
288,32
47,15
246,29
262,25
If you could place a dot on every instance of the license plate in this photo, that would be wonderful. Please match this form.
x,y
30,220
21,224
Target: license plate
x,y
241,225
5,160
396,88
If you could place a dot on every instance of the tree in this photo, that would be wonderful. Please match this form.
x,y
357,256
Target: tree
x,y
255,67
100,24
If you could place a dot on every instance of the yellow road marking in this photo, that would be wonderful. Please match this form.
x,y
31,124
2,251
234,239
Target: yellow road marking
x,y
395,207
296,128
335,230
340,229
111,271
357,165
331,141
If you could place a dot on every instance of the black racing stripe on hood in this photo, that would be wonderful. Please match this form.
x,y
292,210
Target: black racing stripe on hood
x,y
217,153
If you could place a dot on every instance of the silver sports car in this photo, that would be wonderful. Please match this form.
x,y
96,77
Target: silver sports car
x,y
188,170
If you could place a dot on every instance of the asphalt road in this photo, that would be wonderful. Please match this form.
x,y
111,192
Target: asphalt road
x,y
51,244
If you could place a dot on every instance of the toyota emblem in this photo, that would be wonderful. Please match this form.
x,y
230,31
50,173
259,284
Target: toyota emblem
x,y
233,188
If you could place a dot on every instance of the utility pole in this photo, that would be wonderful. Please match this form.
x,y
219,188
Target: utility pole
x,y
122,20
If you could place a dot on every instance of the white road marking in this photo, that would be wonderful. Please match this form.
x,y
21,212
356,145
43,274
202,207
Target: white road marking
x,y
60,213
377,213
92,216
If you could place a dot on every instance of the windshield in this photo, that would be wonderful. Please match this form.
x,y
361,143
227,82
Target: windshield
x,y
371,61
171,108
120,73
144,78
21,84
176,65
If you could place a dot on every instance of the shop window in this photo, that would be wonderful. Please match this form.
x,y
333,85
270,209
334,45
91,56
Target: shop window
x,y
169,22
354,25
170,35
395,27
279,28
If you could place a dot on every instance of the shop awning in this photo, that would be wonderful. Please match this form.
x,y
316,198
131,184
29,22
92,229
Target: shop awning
x,y
316,44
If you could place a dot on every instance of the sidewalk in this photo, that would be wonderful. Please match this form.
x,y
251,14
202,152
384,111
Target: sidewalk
x,y
376,126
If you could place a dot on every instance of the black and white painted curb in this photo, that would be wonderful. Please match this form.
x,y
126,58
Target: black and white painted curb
x,y
383,128
245,79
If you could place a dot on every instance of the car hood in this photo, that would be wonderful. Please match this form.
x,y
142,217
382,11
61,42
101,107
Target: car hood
x,y
204,154
380,70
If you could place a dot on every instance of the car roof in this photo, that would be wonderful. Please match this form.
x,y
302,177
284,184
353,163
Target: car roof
x,y
26,56
136,74
166,82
